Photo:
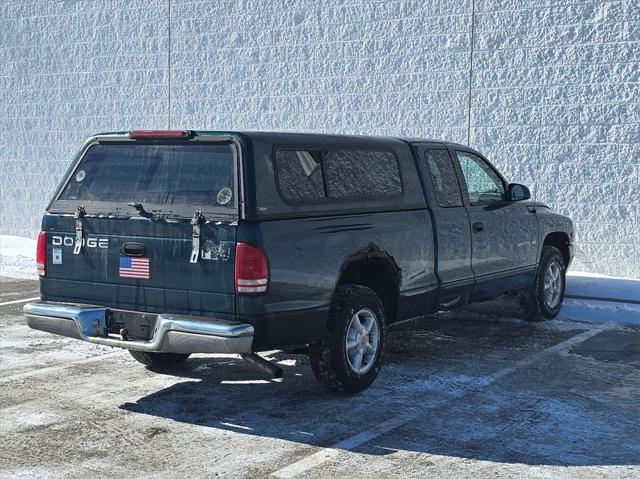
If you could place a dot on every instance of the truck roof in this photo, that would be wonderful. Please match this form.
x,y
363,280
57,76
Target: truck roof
x,y
283,136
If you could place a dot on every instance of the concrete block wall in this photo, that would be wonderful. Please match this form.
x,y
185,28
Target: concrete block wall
x,y
69,69
549,90
556,104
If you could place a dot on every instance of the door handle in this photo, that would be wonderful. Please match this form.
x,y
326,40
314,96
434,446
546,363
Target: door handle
x,y
477,227
134,249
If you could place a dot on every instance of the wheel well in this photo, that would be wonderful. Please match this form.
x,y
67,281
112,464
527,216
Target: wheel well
x,y
561,241
378,272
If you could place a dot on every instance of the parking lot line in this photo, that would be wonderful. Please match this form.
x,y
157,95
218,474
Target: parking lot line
x,y
18,301
59,367
558,348
356,440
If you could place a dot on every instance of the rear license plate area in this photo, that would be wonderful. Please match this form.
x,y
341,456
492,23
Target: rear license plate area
x,y
137,325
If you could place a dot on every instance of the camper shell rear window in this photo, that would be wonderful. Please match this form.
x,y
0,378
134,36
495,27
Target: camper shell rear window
x,y
173,179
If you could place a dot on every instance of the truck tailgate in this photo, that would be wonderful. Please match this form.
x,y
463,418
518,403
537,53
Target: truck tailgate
x,y
141,264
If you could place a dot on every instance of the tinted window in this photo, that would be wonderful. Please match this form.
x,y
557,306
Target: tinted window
x,y
443,178
299,175
316,174
361,174
483,184
155,174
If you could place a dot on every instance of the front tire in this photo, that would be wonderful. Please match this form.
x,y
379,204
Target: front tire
x,y
349,356
158,360
544,300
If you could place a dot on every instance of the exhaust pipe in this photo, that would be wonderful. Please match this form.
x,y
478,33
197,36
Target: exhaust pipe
x,y
267,366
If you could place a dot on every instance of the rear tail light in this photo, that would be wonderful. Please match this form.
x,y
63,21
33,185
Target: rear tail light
x,y
41,253
252,270
160,134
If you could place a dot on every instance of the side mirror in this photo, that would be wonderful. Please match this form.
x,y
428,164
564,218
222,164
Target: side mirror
x,y
518,192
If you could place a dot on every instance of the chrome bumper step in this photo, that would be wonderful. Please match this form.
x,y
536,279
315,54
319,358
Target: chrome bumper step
x,y
172,333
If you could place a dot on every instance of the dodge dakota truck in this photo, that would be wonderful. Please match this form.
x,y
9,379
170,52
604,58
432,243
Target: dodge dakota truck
x,y
168,243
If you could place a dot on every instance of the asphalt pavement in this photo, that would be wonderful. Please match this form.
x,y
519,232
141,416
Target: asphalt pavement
x,y
474,393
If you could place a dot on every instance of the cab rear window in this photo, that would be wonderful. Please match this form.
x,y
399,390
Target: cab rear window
x,y
160,175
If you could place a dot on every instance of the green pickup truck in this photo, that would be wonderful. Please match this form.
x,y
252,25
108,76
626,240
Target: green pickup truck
x,y
168,243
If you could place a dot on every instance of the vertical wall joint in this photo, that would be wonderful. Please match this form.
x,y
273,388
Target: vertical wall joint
x,y
473,24
169,69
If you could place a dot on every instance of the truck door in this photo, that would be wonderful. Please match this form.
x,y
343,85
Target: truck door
x,y
451,220
504,233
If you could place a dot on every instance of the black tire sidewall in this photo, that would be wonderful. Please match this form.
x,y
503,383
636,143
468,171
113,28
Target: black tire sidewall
x,y
549,255
158,360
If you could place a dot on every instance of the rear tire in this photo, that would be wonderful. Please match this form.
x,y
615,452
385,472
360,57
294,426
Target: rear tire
x,y
158,360
349,356
544,300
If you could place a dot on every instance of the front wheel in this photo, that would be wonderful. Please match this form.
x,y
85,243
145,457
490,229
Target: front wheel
x,y
544,300
348,358
158,360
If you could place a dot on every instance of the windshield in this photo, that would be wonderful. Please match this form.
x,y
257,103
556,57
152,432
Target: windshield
x,y
162,176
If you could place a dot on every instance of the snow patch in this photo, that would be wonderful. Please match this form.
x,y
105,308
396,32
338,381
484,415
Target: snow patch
x,y
17,257
592,285
600,311
26,417
287,362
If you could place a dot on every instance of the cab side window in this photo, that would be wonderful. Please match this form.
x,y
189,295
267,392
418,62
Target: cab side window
x,y
483,184
443,178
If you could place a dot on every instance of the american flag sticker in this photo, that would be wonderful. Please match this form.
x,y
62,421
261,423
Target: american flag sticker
x,y
134,267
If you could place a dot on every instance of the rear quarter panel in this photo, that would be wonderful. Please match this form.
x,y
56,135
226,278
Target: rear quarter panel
x,y
306,256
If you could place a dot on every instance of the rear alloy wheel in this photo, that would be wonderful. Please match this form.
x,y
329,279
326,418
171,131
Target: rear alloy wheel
x,y
544,300
362,341
348,358
158,360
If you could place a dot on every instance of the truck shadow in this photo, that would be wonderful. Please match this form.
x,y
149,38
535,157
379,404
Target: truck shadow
x,y
560,410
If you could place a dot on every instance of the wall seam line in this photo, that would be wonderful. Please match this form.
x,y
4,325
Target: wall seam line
x,y
473,22
169,70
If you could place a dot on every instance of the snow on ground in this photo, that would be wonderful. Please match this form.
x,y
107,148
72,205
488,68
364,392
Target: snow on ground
x,y
17,257
600,311
594,285
581,286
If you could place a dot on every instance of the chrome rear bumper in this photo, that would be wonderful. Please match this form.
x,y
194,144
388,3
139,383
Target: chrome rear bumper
x,y
172,333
